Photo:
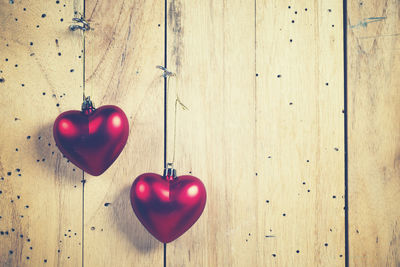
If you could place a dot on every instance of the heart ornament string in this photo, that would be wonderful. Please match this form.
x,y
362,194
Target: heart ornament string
x,y
168,205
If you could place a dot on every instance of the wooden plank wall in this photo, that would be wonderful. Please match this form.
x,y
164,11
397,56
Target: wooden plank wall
x,y
300,132
40,191
265,130
374,133
121,57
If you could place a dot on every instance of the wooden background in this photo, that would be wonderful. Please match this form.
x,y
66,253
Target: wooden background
x,y
275,102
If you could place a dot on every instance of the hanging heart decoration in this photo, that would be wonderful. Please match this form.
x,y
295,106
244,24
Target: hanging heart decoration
x,y
92,139
167,206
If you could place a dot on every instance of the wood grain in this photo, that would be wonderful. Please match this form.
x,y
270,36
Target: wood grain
x,y
121,57
40,192
211,49
264,131
300,133
374,133
300,127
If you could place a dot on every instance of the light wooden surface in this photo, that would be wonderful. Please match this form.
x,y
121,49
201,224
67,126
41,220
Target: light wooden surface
x,y
374,133
40,200
211,49
300,133
121,57
249,137
263,82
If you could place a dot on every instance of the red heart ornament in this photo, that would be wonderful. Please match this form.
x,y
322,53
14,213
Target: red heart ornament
x,y
92,139
167,207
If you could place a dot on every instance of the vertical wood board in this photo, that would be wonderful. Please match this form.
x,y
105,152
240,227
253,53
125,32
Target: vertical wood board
x,y
374,132
265,116
300,133
122,52
211,49
40,191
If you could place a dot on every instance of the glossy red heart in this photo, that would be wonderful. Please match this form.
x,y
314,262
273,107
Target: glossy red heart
x,y
167,208
92,139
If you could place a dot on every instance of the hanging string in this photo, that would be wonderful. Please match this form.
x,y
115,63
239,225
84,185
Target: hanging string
x,y
177,101
170,165
93,47
168,74
83,25
84,63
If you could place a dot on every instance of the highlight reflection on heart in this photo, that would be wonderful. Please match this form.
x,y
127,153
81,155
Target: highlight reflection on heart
x,y
92,139
167,207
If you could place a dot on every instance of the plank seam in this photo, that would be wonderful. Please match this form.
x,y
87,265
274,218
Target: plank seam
x,y
165,104
83,173
346,172
83,217
165,84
